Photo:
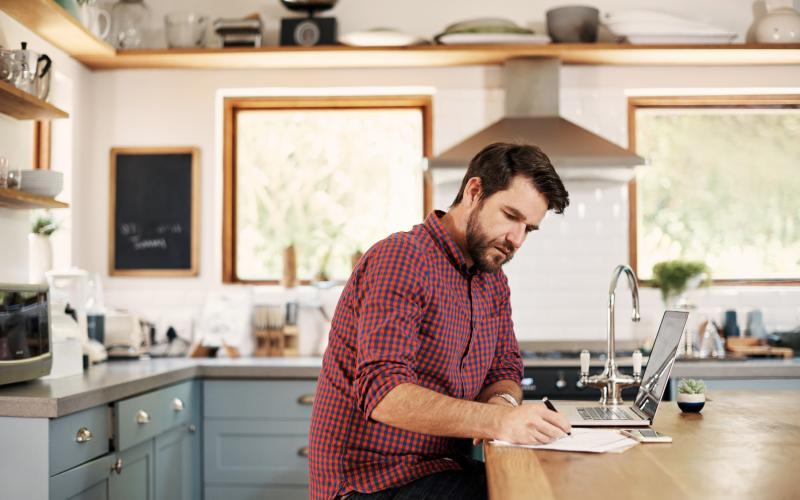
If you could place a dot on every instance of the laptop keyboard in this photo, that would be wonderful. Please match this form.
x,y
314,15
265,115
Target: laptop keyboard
x,y
604,413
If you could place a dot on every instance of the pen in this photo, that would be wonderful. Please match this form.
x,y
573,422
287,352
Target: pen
x,y
550,407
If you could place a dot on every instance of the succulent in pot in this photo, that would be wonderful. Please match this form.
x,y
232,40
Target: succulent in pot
x,y
691,395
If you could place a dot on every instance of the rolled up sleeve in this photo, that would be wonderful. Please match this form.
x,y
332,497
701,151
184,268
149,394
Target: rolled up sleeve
x,y
507,362
391,309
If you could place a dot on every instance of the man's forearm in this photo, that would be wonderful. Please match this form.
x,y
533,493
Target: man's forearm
x,y
417,409
509,386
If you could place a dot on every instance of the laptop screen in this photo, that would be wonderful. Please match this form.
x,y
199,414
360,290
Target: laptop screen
x,y
659,364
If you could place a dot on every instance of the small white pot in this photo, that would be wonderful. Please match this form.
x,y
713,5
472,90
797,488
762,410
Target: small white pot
x,y
691,403
40,257
691,398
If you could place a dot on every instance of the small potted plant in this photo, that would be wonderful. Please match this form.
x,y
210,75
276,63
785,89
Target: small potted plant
x,y
676,277
691,395
40,250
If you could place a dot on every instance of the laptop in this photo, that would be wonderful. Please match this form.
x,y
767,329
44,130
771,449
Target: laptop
x,y
654,381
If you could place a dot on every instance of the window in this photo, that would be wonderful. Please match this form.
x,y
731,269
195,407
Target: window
x,y
721,186
328,176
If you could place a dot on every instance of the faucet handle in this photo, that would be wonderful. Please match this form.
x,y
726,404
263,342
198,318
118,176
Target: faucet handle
x,y
585,356
637,363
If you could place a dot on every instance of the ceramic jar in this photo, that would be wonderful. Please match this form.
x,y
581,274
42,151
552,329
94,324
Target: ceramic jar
x,y
779,25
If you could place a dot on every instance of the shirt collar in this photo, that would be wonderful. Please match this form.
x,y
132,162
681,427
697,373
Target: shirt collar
x,y
445,242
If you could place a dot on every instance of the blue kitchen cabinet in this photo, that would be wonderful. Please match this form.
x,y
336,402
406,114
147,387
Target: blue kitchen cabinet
x,y
89,481
178,464
134,474
255,439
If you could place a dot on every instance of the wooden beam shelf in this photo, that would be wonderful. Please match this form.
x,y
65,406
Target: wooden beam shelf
x,y
24,106
13,198
445,55
50,21
53,23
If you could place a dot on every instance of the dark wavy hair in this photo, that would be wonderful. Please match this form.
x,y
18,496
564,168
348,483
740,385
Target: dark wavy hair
x,y
497,165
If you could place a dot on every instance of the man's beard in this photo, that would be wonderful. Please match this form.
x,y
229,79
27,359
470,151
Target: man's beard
x,y
479,246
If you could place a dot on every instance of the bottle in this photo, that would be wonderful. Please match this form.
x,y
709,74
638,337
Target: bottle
x,y
95,312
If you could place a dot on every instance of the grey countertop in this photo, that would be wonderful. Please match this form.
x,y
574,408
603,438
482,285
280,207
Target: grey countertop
x,y
112,381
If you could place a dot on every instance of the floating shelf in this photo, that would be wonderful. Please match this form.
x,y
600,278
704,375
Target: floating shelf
x,y
24,106
50,21
56,25
13,198
445,55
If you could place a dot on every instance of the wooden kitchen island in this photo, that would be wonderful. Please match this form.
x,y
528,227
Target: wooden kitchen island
x,y
745,444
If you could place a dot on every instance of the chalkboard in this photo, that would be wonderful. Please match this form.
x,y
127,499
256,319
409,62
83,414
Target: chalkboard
x,y
154,212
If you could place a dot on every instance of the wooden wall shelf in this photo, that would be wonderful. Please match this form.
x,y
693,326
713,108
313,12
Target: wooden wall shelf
x,y
24,106
444,55
56,25
50,21
12,198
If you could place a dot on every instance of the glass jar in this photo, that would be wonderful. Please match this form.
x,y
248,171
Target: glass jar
x,y
130,21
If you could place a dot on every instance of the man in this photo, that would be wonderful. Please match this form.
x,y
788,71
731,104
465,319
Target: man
x,y
422,347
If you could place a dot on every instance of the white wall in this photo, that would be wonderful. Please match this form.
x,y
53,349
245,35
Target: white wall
x,y
70,91
428,18
560,279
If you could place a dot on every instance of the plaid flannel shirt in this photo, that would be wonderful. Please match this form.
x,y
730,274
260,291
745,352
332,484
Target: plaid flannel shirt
x,y
411,312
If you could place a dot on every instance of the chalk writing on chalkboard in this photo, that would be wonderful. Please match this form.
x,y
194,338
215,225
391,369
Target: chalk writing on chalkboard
x,y
154,211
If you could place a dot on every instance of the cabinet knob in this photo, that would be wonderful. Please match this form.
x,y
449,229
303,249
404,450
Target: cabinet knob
x,y
177,404
142,417
303,452
83,435
117,467
192,428
306,399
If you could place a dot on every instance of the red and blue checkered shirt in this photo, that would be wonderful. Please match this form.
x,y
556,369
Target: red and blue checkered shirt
x,y
411,312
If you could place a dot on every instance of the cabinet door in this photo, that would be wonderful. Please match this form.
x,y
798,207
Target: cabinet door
x,y
85,482
135,477
178,464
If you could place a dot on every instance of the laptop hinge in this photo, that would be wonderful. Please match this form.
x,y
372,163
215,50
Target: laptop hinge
x,y
639,413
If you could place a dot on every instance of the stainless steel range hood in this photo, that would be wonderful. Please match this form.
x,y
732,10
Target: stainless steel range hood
x,y
531,116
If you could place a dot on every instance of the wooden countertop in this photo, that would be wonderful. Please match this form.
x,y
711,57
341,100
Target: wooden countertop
x,y
745,444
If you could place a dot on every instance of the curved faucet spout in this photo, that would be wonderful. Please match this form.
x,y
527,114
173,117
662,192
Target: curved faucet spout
x,y
632,282
611,382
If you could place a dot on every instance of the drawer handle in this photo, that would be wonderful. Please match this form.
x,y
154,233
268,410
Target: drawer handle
x,y
303,452
142,417
177,404
306,399
84,435
117,467
192,428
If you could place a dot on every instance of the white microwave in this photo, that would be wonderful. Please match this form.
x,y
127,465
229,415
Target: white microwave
x,y
25,338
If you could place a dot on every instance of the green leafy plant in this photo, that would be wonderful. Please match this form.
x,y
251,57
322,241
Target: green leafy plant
x,y
673,276
45,224
691,386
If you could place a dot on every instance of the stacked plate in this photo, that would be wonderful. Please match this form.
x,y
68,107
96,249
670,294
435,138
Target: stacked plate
x,y
489,30
42,182
653,27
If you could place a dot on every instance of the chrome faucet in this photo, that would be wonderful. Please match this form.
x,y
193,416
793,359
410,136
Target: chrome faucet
x,y
610,381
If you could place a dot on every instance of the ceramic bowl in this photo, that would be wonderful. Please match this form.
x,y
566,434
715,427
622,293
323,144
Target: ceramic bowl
x,y
691,403
573,24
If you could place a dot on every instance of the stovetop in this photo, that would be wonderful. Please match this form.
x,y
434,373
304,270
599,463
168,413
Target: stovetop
x,y
555,355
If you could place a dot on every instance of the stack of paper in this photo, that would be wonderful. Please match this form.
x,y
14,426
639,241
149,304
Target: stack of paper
x,y
584,440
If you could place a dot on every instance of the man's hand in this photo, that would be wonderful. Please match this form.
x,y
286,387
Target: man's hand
x,y
532,424
494,400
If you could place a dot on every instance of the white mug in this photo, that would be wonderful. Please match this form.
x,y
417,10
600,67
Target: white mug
x,y
96,20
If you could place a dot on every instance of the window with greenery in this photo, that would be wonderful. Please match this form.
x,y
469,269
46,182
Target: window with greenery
x,y
329,179
722,186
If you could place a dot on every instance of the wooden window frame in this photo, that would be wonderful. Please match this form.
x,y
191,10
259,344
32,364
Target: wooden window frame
x,y
767,101
233,105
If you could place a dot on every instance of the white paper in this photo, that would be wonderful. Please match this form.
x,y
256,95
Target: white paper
x,y
584,440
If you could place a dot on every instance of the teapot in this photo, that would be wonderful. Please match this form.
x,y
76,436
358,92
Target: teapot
x,y
34,71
